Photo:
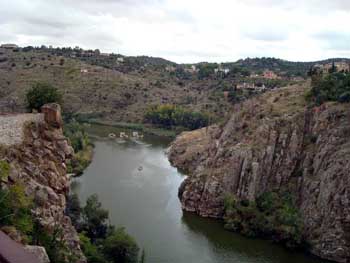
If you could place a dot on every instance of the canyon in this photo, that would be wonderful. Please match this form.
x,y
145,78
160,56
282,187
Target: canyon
x,y
275,143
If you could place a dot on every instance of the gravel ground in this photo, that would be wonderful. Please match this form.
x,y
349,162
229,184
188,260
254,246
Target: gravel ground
x,y
11,127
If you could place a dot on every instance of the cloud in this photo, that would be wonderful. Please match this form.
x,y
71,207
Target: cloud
x,y
184,30
335,40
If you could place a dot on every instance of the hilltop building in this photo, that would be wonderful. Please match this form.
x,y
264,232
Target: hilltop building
x,y
341,66
9,46
225,71
268,74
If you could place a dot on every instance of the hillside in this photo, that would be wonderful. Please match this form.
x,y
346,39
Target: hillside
x,y
99,92
117,88
277,168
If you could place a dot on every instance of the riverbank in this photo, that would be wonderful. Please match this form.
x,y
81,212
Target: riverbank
x,y
151,130
146,203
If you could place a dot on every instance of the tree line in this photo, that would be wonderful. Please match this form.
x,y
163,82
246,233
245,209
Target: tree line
x,y
170,116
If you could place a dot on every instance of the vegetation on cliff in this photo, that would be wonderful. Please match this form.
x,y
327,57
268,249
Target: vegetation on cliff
x,y
4,170
15,210
83,147
17,220
271,215
100,241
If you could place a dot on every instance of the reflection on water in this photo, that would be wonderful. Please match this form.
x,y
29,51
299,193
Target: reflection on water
x,y
145,202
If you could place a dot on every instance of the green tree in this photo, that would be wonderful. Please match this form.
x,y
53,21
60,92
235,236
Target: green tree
x,y
73,209
95,219
42,93
91,251
331,87
119,247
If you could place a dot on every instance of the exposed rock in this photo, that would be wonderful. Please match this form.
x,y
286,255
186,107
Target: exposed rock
x,y
38,159
52,113
275,145
13,233
39,252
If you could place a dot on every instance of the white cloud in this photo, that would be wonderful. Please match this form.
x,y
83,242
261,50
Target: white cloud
x,y
184,30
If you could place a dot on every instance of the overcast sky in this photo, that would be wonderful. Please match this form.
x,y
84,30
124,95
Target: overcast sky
x,y
184,30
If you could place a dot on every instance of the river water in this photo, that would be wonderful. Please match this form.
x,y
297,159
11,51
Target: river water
x,y
136,183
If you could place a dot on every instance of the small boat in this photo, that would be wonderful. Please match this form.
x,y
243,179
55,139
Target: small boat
x,y
123,135
112,135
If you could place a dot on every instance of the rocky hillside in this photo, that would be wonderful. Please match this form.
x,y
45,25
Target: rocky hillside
x,y
37,151
274,145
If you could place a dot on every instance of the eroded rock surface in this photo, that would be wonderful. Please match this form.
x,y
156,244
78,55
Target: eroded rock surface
x,y
37,155
275,143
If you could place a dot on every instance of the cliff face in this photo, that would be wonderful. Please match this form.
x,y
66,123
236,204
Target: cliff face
x,y
37,151
275,143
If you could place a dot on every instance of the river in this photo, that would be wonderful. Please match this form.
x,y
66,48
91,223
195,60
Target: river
x,y
136,183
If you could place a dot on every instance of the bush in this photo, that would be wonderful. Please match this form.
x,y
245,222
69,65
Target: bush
x,y
120,247
272,215
15,209
100,242
54,244
76,134
82,146
90,250
4,170
40,94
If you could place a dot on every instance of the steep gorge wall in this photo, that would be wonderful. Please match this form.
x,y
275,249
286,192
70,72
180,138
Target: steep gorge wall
x,y
275,143
37,151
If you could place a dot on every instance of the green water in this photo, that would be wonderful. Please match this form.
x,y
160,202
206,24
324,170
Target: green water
x,y
136,183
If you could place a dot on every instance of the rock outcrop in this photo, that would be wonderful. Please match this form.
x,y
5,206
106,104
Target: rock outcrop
x,y
37,151
275,142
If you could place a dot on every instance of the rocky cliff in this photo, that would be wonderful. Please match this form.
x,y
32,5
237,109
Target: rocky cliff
x,y
275,143
35,148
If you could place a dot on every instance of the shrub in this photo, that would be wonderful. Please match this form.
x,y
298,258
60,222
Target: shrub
x,y
90,250
4,170
15,209
272,215
40,94
82,146
75,132
121,247
54,244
